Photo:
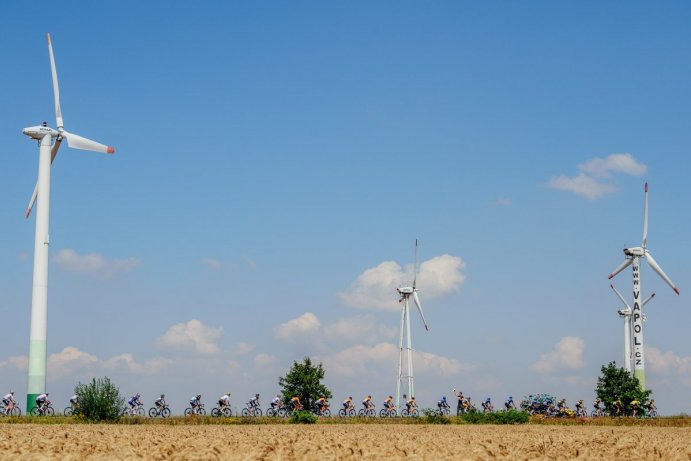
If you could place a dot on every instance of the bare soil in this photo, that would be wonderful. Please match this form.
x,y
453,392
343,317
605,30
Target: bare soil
x,y
335,441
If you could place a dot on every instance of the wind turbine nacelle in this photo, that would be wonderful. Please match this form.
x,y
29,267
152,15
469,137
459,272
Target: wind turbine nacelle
x,y
624,312
406,290
635,251
38,132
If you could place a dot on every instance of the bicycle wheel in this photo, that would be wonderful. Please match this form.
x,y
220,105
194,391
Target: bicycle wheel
x,y
68,411
33,411
415,412
165,413
361,412
153,412
215,412
326,412
257,412
227,412
189,411
342,413
245,412
393,413
140,411
202,411
653,414
382,413
49,411
16,411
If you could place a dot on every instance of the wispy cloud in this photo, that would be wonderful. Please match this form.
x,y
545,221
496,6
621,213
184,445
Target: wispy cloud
x,y
566,355
191,336
212,263
594,179
376,287
667,362
94,264
503,201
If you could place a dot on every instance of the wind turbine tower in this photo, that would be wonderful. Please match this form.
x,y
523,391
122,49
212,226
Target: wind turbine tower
x,y
633,257
625,314
405,294
41,197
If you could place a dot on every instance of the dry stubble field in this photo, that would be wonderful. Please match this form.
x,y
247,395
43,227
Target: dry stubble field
x,y
352,441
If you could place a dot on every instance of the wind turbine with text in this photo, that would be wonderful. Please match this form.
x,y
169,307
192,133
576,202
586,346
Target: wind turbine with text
x,y
633,257
626,314
405,294
41,197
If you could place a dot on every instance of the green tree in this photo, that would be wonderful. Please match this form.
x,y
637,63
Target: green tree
x,y
617,383
99,400
304,380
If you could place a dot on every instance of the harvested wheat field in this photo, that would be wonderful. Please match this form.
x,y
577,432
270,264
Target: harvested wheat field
x,y
320,442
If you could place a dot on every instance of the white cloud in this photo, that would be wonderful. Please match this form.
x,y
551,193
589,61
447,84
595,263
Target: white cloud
x,y
355,360
70,361
212,263
618,163
593,180
128,363
17,362
503,201
566,355
667,362
192,336
307,323
264,360
376,287
94,264
360,328
583,185
243,349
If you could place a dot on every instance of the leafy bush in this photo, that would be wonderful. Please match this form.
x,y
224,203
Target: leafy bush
x,y
500,417
303,417
617,383
99,400
432,417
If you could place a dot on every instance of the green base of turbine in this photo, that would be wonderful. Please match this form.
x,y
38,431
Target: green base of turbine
x,y
640,374
30,402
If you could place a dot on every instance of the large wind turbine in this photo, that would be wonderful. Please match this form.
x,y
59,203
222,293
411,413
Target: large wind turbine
x,y
41,196
405,294
626,314
633,258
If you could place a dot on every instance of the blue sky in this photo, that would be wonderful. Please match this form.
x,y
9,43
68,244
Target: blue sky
x,y
269,153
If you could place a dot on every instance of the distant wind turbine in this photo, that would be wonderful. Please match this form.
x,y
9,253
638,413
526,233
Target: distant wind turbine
x,y
41,197
633,257
405,294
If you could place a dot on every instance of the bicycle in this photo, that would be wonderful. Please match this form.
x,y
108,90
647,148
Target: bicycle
x,y
410,411
217,412
322,411
388,412
136,411
345,412
198,410
13,411
162,411
368,411
443,410
276,410
44,410
69,411
251,410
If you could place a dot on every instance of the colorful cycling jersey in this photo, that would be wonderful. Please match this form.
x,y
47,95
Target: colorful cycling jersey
x,y
225,398
8,398
42,398
134,400
276,400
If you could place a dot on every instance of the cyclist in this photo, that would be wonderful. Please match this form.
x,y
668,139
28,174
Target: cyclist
x,y
160,402
321,404
74,400
295,404
635,407
367,403
388,403
42,402
650,407
442,404
224,401
509,404
596,406
460,407
133,402
9,402
348,404
276,402
411,404
196,402
487,405
254,401
561,405
580,408
617,406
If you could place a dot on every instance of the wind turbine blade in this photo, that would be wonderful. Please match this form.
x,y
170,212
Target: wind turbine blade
x,y
419,309
53,153
621,267
648,299
415,266
654,265
56,89
645,218
620,296
79,142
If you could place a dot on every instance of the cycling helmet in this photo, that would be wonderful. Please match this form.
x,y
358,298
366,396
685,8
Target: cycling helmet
x,y
135,395
510,398
444,398
256,395
199,396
